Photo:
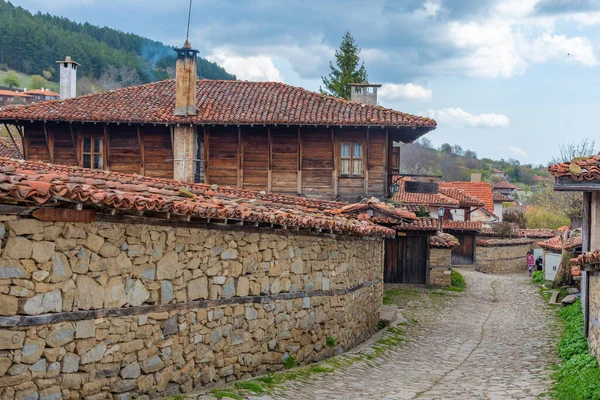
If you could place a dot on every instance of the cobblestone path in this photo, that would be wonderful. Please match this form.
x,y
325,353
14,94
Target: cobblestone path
x,y
495,341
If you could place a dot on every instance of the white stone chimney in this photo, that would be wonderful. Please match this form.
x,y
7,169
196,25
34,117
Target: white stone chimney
x,y
68,78
365,93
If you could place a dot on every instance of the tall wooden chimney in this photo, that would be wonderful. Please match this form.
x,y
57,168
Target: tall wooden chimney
x,y
185,80
184,134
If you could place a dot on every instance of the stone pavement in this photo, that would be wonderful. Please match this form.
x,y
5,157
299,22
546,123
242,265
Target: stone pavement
x,y
494,341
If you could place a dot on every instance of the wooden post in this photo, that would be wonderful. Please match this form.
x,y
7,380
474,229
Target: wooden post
x,y
140,134
299,188
386,178
240,172
336,163
206,155
21,152
366,165
106,148
49,144
74,142
270,162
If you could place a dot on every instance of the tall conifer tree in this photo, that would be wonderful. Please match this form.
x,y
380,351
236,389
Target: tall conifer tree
x,y
346,70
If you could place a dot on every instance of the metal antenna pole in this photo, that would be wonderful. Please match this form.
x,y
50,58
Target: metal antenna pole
x,y
187,35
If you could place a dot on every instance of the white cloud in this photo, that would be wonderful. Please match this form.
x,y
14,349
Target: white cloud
x,y
251,68
518,152
430,9
409,91
575,49
458,117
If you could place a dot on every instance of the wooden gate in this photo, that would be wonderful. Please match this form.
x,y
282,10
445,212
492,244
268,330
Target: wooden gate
x,y
465,253
406,260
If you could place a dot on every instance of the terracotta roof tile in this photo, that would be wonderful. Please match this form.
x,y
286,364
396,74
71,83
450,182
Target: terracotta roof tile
x,y
428,199
219,102
7,147
443,241
573,243
419,224
579,169
500,197
504,242
504,185
39,183
479,190
554,244
587,259
45,92
465,199
462,226
521,233
382,213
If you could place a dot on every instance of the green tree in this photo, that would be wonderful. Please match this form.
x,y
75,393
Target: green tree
x,y
346,70
37,82
11,80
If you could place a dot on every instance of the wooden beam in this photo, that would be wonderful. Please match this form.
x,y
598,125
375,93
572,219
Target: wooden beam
x,y
106,148
586,231
240,155
64,215
140,135
299,186
336,162
386,178
206,154
366,164
49,144
74,142
20,151
270,162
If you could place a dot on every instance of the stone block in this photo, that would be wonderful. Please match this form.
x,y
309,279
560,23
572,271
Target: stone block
x,y
9,305
25,226
16,248
114,293
198,289
52,393
85,329
61,271
42,251
168,267
10,340
32,350
90,295
70,363
13,269
109,250
43,303
152,364
166,292
131,371
93,355
60,336
170,326
229,254
137,294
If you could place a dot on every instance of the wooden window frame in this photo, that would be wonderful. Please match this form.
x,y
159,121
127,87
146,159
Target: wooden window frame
x,y
103,149
352,158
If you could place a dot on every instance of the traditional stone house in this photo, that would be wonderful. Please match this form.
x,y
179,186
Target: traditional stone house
x,y
115,283
440,258
505,188
583,175
247,135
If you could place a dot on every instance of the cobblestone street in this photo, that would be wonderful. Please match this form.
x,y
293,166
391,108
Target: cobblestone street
x,y
494,341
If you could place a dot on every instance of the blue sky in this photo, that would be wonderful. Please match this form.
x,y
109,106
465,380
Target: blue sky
x,y
505,78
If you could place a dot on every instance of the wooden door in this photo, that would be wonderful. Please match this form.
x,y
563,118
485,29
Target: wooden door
x,y
406,260
465,253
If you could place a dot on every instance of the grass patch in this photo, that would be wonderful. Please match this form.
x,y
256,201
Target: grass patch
x,y
330,341
382,324
457,281
537,277
389,296
316,369
290,362
220,393
251,386
578,378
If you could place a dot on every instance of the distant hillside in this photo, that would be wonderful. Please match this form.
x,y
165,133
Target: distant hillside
x,y
453,163
33,43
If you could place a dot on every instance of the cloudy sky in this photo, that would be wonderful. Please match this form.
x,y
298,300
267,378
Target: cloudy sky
x,y
505,78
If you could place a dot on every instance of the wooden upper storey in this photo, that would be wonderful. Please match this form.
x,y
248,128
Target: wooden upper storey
x,y
321,162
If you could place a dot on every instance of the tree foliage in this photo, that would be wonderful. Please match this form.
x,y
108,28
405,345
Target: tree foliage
x,y
347,69
32,43
11,80
37,82
569,151
515,215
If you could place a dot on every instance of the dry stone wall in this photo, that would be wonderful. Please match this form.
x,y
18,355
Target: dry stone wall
x,y
98,309
439,266
502,259
594,313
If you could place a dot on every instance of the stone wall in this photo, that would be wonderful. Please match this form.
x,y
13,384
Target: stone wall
x,y
94,309
594,313
502,259
439,266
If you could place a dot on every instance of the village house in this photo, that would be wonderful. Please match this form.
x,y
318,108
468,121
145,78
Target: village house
x,y
247,135
118,283
10,96
41,95
583,175
505,188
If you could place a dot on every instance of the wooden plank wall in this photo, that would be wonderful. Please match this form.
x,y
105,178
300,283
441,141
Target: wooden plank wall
x,y
376,149
255,158
123,149
35,142
158,151
317,162
223,157
284,160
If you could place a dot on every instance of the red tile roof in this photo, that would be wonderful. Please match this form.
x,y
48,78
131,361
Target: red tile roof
x,y
443,241
554,244
500,197
573,243
478,190
427,199
382,213
45,92
461,226
7,147
461,195
504,242
521,233
419,224
581,168
504,185
39,183
587,259
13,94
219,102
